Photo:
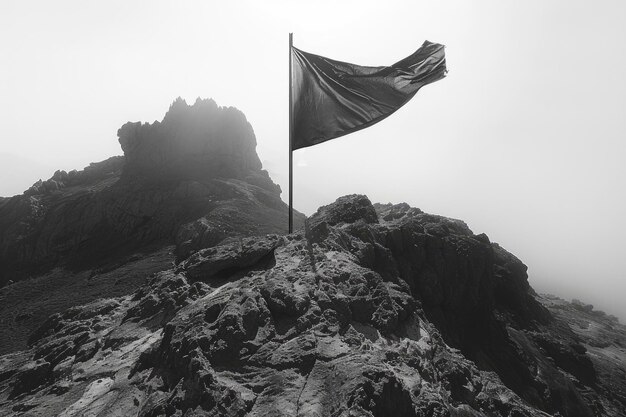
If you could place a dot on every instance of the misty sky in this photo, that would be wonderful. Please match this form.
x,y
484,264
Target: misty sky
x,y
524,140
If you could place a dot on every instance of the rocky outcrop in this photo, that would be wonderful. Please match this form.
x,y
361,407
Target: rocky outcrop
x,y
191,180
591,346
371,310
162,284
198,141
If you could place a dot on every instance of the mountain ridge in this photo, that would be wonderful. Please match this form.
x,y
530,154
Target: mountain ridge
x,y
200,159
188,298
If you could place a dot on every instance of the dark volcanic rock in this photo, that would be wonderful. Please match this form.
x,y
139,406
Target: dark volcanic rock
x,y
31,376
382,311
236,254
347,209
193,304
198,141
191,180
593,341
185,184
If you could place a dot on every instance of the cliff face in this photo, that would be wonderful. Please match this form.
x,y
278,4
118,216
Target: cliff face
x,y
198,141
191,179
371,310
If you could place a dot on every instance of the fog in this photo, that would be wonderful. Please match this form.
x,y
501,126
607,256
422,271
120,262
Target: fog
x,y
524,140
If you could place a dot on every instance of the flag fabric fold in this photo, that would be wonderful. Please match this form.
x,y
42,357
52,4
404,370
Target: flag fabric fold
x,y
333,98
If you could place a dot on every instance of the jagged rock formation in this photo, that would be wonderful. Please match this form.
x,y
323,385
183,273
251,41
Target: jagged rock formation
x,y
161,284
191,179
198,141
372,310
185,183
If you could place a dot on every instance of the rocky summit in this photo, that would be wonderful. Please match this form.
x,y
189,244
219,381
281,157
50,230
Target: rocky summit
x,y
194,176
189,181
366,310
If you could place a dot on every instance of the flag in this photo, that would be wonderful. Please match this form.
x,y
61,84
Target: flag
x,y
333,98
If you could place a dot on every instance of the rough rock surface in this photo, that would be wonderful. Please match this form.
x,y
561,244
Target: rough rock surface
x,y
192,179
202,140
371,311
184,184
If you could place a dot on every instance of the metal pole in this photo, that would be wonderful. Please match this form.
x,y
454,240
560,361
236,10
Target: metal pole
x,y
290,140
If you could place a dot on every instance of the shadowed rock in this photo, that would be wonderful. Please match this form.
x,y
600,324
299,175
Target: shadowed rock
x,y
404,313
194,303
224,259
198,141
192,180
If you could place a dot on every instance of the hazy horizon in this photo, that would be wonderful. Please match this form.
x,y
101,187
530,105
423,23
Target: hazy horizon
x,y
523,140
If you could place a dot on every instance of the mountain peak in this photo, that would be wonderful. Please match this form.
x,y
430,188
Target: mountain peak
x,y
190,180
198,141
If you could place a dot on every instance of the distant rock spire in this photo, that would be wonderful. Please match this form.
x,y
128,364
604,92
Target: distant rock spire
x,y
198,141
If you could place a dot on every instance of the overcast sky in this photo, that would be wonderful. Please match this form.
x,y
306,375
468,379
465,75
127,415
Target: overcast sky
x,y
524,140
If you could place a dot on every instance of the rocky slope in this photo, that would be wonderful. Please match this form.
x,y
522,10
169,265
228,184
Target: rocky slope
x,y
187,182
370,310
193,176
162,283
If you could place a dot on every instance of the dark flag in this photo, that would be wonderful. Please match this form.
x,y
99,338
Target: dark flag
x,y
333,98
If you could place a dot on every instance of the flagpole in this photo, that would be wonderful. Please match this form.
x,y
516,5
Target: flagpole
x,y
290,141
